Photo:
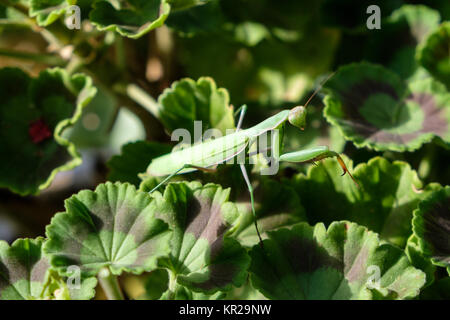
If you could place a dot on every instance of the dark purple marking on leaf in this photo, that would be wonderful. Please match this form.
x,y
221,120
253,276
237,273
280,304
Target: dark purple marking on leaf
x,y
204,220
39,131
435,121
437,230
31,268
306,256
220,275
358,267
222,268
355,97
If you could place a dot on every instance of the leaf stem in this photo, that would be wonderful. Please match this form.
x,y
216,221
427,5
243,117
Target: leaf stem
x,y
172,285
142,98
49,59
110,284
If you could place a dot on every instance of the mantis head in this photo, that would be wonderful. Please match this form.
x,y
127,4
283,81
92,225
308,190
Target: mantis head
x,y
297,117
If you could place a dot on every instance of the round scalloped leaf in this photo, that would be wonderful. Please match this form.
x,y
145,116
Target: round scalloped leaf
x,y
133,160
384,202
187,101
431,225
373,108
25,275
419,260
113,226
276,205
48,11
434,53
33,115
203,258
23,270
134,18
343,262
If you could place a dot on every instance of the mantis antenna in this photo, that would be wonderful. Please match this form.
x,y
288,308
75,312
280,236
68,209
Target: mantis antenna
x,y
318,89
297,115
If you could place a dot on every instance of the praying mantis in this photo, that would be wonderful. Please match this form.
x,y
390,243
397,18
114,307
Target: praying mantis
x,y
208,154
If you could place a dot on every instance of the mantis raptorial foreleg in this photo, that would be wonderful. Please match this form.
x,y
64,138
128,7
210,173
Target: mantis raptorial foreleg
x,y
315,154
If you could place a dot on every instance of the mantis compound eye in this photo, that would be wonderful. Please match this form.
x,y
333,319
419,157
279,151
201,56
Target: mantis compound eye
x,y
297,117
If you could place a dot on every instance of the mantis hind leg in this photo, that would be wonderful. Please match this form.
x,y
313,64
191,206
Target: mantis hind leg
x,y
186,166
315,154
252,200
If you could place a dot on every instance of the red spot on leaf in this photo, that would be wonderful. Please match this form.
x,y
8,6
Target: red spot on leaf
x,y
39,131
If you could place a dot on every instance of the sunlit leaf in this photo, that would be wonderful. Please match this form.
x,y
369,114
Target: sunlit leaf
x,y
373,108
431,225
25,275
23,270
187,101
387,195
113,226
133,18
344,262
33,115
203,257
419,260
48,11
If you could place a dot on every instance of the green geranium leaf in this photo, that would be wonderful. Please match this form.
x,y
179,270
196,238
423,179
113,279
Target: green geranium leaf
x,y
25,275
276,206
187,101
434,53
48,11
183,293
342,262
384,202
23,270
431,225
67,288
419,260
33,115
133,160
133,19
203,258
373,108
113,226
